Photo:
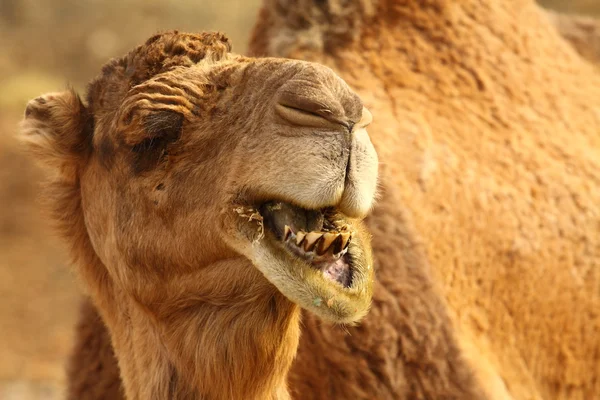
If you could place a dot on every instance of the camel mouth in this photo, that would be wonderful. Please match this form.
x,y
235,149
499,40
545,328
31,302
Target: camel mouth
x,y
319,258
319,237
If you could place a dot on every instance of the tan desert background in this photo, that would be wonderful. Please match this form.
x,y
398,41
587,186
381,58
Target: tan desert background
x,y
45,46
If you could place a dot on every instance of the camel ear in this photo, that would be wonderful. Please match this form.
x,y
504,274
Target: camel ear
x,y
58,130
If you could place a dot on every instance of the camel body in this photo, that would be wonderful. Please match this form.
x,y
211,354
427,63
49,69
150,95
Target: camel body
x,y
487,127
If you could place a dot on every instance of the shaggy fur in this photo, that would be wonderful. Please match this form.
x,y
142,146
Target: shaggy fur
x,y
582,32
93,369
487,127
199,298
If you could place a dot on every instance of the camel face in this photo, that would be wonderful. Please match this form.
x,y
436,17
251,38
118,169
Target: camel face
x,y
263,161
309,174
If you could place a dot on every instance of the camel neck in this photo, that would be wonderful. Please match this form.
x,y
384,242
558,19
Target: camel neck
x,y
212,341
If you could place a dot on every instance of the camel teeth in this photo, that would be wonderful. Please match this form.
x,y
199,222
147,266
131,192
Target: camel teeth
x,y
326,242
300,237
311,239
287,233
346,236
337,245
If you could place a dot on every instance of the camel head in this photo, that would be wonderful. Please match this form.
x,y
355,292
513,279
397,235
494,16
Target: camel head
x,y
190,158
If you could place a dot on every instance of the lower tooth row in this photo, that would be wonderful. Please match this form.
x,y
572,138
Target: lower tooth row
x,y
320,242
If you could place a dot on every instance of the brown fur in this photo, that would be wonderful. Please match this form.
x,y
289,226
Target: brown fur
x,y
199,301
487,128
93,369
582,32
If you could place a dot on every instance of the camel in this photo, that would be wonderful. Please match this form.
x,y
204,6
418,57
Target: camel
x,y
487,128
484,236
200,289
582,32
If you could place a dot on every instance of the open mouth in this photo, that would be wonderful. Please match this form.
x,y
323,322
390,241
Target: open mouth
x,y
319,258
320,237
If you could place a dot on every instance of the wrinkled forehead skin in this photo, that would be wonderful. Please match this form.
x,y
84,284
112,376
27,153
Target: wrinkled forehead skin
x,y
195,77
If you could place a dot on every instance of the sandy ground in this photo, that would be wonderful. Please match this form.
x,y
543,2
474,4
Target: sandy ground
x,y
46,45
38,293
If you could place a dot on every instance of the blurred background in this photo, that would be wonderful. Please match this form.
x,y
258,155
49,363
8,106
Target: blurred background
x,y
46,45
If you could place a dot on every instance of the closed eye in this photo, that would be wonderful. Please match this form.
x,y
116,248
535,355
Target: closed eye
x,y
302,117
